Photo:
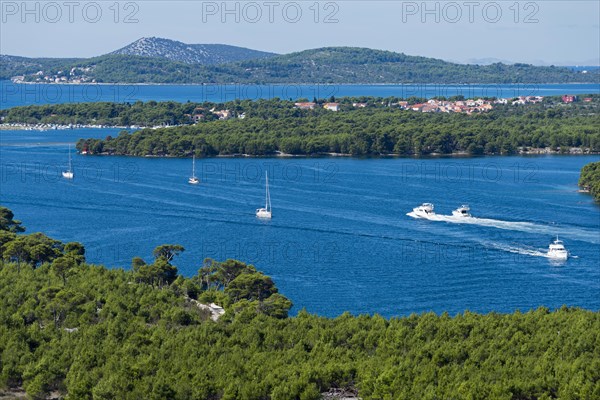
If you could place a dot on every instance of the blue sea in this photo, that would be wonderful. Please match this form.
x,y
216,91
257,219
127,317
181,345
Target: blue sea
x,y
12,95
340,239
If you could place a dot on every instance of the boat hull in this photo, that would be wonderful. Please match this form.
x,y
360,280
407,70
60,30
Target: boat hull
x,y
262,213
558,255
421,214
459,214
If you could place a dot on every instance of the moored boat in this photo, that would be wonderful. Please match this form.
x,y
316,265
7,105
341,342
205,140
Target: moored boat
x,y
193,180
68,174
266,211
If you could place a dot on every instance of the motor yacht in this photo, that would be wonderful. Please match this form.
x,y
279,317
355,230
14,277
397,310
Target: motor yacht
x,y
424,210
557,250
462,211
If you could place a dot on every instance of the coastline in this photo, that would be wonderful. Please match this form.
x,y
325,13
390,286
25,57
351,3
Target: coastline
x,y
573,151
295,83
58,127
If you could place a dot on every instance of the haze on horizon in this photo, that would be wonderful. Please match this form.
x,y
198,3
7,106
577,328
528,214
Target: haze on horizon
x,y
541,33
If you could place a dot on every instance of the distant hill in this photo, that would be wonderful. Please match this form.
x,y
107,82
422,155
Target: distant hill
x,y
160,61
206,54
14,65
361,65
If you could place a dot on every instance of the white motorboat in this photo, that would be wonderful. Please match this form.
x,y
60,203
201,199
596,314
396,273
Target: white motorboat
x,y
424,210
462,211
193,179
557,250
266,211
68,174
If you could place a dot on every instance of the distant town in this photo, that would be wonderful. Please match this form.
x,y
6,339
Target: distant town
x,y
467,106
75,75
213,112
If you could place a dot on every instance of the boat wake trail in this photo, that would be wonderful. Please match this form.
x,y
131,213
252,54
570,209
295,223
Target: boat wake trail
x,y
529,227
526,251
518,250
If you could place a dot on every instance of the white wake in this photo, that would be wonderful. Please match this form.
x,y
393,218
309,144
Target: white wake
x,y
529,227
519,250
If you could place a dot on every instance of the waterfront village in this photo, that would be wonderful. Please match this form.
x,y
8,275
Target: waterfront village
x,y
467,106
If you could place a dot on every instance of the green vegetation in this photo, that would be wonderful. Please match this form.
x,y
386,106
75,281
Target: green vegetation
x,y
147,114
272,126
13,65
87,332
277,125
362,65
335,65
590,179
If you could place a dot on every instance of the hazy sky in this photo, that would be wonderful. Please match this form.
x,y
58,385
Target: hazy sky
x,y
551,32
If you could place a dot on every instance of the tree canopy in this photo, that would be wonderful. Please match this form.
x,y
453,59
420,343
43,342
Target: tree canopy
x,y
272,126
83,331
7,221
329,65
590,179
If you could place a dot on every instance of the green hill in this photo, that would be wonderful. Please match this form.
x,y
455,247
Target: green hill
x,y
331,65
360,65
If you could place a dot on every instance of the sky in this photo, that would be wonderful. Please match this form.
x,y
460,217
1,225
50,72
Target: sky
x,y
538,32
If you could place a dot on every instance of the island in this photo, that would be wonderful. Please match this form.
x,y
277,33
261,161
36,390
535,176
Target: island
x,y
363,126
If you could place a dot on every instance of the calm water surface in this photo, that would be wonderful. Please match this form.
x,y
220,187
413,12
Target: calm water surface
x,y
12,95
340,238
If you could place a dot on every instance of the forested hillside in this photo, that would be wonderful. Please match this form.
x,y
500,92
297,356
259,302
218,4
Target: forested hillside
x,y
147,114
329,65
84,331
590,179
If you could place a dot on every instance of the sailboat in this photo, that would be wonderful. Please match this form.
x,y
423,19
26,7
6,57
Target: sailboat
x,y
68,174
266,211
193,179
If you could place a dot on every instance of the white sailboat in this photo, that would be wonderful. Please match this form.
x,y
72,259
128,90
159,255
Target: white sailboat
x,y
193,179
68,174
266,211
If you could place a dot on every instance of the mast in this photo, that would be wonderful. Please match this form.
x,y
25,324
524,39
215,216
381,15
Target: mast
x,y
267,194
193,165
69,157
